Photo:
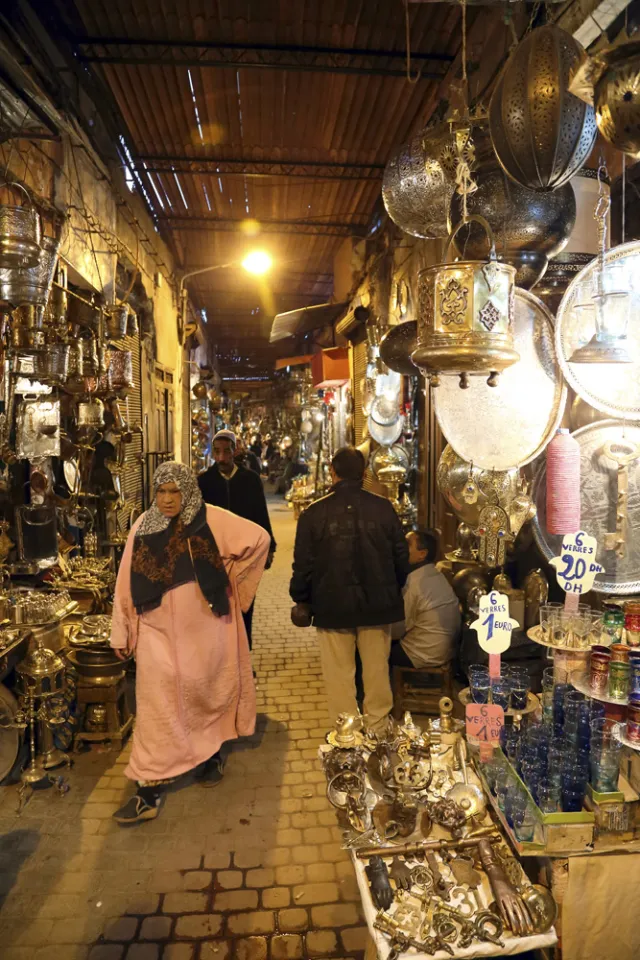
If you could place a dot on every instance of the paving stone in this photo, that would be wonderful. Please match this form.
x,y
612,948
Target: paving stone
x,y
335,915
354,938
276,897
321,872
184,903
198,926
251,948
286,946
236,900
263,877
123,930
309,893
258,921
215,950
294,919
217,859
179,951
247,858
143,905
229,879
320,943
155,928
143,951
111,951
288,875
197,880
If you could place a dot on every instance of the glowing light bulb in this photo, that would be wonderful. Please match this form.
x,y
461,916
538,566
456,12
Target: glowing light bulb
x,y
257,262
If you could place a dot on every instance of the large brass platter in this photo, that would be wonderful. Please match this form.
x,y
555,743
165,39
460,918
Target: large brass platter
x,y
497,428
598,493
613,388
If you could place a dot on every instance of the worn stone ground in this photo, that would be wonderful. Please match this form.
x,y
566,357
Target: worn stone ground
x,y
251,870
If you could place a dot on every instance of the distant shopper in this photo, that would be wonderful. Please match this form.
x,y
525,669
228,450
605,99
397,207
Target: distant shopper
x,y
350,564
239,490
187,572
431,610
245,457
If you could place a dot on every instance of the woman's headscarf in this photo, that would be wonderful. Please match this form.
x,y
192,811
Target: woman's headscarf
x,y
171,551
185,480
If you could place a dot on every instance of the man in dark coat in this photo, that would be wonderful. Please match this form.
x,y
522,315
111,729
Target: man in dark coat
x,y
350,563
237,489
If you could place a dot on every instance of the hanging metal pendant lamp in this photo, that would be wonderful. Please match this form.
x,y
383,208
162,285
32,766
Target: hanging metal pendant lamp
x,y
542,134
465,316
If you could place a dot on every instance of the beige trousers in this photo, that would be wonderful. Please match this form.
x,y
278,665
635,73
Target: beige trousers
x,y
338,659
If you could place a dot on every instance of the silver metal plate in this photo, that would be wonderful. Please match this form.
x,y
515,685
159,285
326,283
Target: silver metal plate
x,y
497,428
598,491
613,388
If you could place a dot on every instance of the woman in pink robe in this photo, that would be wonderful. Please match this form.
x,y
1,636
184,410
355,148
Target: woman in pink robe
x,y
187,572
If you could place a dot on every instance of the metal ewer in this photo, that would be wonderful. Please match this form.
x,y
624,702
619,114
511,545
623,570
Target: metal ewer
x,y
529,226
417,188
465,313
542,134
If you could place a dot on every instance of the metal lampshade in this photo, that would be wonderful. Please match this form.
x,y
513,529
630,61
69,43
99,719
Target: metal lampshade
x,y
542,134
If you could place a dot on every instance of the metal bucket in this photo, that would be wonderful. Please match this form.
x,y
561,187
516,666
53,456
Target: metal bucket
x,y
121,370
117,322
19,234
31,284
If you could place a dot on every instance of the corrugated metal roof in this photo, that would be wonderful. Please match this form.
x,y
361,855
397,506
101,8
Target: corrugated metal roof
x,y
244,114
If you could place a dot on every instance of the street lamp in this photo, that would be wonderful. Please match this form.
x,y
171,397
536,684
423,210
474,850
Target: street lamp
x,y
256,262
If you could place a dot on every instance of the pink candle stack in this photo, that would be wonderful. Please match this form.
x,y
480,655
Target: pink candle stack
x,y
563,484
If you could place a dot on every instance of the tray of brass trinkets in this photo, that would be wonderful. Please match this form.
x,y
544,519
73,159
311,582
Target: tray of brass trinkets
x,y
436,876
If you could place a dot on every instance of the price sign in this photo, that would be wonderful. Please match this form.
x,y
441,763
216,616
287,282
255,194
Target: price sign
x,y
576,567
484,723
494,625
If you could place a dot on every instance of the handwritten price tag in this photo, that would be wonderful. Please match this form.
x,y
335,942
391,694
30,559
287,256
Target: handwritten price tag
x,y
494,625
576,567
484,722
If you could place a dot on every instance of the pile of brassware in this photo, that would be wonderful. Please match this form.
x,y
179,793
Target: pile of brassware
x,y
440,876
25,606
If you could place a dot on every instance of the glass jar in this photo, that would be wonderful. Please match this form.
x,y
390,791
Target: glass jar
x,y
619,679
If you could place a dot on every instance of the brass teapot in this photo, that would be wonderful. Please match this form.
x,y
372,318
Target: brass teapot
x,y
465,316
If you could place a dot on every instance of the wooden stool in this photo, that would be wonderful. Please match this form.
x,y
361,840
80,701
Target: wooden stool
x,y
420,690
111,694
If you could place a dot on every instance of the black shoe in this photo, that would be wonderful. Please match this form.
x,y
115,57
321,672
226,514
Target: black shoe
x,y
212,771
137,808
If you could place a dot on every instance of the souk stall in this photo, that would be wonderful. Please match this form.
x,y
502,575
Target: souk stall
x,y
541,414
70,461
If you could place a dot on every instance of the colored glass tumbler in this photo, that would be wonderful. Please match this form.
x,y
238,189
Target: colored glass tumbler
x,y
613,623
619,679
633,720
599,674
632,622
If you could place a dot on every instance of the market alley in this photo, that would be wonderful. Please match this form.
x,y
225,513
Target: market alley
x,y
252,870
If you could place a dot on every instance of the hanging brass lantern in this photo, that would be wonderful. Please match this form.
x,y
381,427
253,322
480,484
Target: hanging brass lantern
x,y
419,181
465,313
610,80
529,226
542,134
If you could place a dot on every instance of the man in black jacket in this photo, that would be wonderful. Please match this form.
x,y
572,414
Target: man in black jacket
x,y
350,563
237,489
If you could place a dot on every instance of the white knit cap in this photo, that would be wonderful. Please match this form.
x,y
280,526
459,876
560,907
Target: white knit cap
x,y
226,435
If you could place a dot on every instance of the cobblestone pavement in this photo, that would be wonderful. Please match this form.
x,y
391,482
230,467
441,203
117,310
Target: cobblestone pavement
x,y
252,870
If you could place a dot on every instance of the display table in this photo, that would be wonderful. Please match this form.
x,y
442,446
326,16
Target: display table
x,y
378,946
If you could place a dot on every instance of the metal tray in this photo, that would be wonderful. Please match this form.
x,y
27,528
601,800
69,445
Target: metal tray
x,y
598,489
497,428
612,388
